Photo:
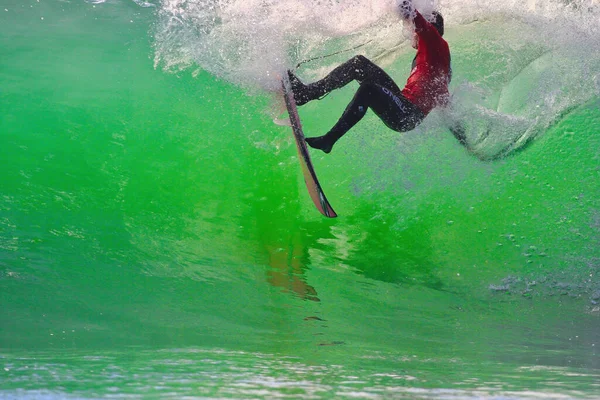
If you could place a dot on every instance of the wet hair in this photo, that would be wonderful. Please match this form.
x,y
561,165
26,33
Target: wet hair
x,y
438,22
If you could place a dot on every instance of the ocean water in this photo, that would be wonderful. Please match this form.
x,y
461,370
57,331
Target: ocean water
x,y
157,240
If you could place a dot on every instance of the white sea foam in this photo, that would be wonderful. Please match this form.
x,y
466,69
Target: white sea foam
x,y
250,41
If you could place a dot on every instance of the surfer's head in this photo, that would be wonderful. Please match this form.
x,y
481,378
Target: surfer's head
x,y
438,22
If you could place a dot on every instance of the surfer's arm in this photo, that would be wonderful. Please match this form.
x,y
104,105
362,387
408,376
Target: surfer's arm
x,y
409,13
459,133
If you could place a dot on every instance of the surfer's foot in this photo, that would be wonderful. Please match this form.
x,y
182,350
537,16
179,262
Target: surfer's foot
x,y
321,143
301,91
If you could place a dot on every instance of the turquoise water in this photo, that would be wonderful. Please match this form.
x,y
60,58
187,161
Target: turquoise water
x,y
157,240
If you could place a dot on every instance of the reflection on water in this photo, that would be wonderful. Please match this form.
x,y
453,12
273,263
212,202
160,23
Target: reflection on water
x,y
197,372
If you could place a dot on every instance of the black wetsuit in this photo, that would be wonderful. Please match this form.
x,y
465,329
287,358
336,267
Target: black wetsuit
x,y
377,91
400,110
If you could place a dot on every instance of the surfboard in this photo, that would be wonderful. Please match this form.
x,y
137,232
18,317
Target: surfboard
x,y
310,177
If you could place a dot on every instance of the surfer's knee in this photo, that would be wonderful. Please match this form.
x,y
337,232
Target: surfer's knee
x,y
361,61
365,69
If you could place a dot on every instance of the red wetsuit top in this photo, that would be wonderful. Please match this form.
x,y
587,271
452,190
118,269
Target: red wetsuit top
x,y
427,85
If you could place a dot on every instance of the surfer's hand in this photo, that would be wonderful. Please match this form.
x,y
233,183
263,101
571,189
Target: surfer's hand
x,y
406,8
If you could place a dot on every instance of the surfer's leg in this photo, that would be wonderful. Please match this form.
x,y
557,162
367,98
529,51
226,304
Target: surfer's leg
x,y
395,111
358,68
353,113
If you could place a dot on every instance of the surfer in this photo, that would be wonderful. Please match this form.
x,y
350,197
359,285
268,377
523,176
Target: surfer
x,y
400,110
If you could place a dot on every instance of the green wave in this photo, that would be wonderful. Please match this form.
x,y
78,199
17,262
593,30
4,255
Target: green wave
x,y
156,237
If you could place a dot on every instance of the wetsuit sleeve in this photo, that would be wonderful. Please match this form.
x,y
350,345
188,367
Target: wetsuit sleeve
x,y
422,26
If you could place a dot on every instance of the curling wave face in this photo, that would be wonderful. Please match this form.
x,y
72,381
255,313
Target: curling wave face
x,y
542,66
